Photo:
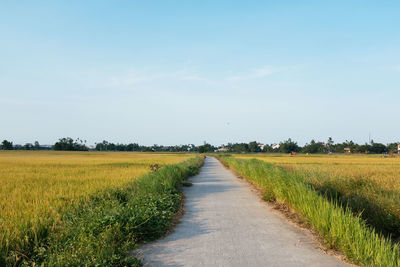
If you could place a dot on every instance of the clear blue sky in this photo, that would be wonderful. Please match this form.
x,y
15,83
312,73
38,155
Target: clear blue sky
x,y
176,72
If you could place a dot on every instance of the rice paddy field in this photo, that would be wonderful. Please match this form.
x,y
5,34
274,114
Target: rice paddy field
x,y
382,170
369,184
38,187
351,201
320,169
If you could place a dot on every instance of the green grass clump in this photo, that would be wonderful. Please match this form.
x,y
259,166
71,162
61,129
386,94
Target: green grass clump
x,y
336,224
368,184
100,230
378,207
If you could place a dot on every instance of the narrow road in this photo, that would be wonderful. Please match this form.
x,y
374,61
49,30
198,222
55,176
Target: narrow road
x,y
226,224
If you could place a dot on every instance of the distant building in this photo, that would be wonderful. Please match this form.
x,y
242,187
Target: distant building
x,y
276,146
347,150
222,149
261,146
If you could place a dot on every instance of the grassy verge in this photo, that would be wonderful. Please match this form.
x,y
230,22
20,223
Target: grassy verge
x,y
368,184
337,225
101,230
377,206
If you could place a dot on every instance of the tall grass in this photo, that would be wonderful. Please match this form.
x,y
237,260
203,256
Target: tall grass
x,y
368,184
337,225
79,199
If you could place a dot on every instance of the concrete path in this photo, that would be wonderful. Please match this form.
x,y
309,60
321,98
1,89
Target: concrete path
x,y
226,224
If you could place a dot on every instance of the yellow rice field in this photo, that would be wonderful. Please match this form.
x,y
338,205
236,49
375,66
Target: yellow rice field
x,y
36,186
385,171
368,184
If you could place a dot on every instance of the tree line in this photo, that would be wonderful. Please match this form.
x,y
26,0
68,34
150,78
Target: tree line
x,y
313,147
287,146
70,144
7,145
107,146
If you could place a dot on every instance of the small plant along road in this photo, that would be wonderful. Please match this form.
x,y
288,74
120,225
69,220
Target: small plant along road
x,y
226,224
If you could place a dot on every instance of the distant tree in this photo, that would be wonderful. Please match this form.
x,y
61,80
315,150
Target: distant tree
x,y
268,148
107,146
183,148
392,147
68,144
339,147
36,145
241,148
353,146
289,146
253,147
330,144
205,148
18,147
350,144
314,147
132,147
6,145
366,148
64,144
378,148
146,149
156,148
28,146
101,146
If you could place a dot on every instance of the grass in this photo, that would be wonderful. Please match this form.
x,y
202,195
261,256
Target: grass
x,y
72,208
335,223
368,184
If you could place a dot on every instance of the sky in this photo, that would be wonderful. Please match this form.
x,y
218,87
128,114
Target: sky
x,y
179,72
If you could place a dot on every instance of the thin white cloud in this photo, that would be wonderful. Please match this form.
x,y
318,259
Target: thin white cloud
x,y
135,77
254,74
122,80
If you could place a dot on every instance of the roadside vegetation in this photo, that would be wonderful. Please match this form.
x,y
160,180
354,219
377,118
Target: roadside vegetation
x,y
369,185
85,208
325,211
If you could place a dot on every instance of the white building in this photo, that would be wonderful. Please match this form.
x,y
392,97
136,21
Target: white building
x,y
223,149
276,146
261,146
